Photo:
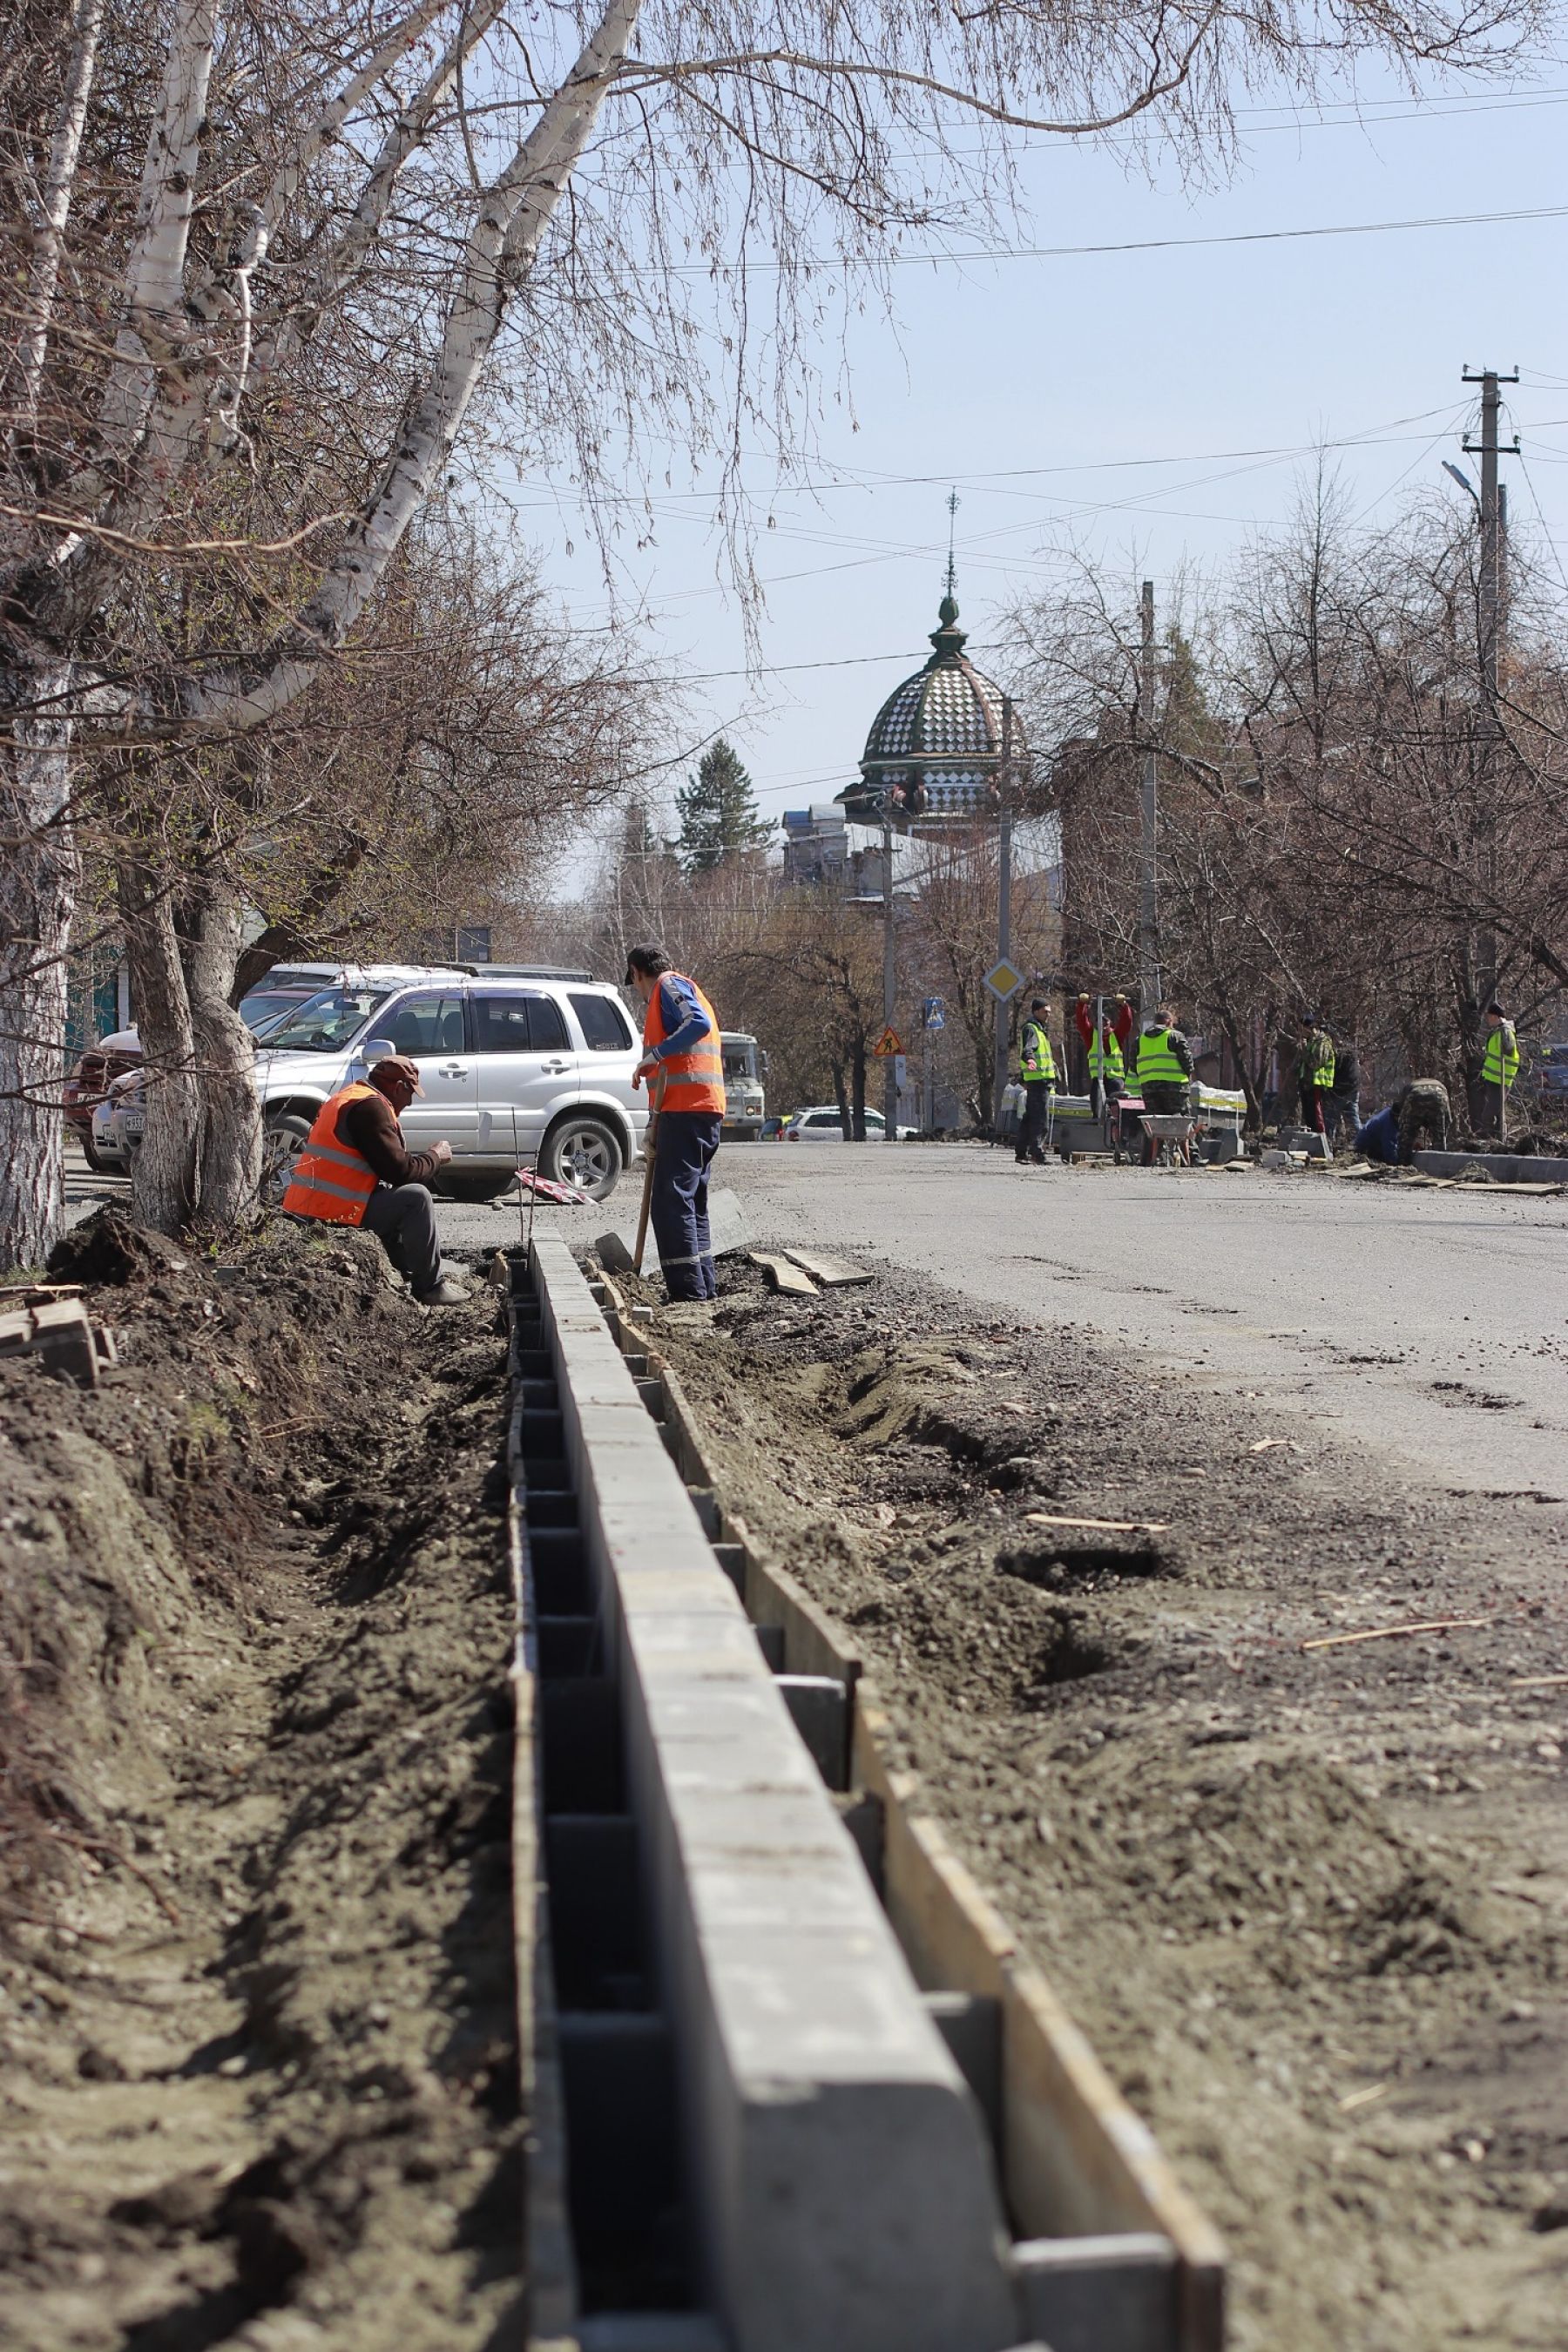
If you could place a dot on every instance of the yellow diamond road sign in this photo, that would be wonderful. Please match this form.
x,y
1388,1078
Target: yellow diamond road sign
x,y
1004,980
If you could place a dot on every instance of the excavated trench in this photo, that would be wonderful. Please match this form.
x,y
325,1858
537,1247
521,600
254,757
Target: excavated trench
x,y
256,2006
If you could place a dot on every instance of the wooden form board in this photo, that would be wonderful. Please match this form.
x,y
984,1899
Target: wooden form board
x,y
1076,2160
550,2268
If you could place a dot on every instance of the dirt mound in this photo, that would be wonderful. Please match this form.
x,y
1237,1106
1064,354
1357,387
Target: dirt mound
x,y
255,1732
107,1247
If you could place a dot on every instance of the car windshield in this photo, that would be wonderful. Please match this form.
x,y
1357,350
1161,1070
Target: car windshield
x,y
263,1005
327,1020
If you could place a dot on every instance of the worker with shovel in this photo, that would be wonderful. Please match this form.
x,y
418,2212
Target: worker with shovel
x,y
683,1064
353,1168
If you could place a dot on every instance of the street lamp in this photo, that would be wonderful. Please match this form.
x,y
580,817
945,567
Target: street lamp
x,y
880,805
1462,478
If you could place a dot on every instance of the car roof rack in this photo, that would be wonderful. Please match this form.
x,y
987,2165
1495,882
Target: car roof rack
x,y
522,971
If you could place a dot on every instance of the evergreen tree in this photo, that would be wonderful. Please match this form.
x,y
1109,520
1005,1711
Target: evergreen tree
x,y
717,810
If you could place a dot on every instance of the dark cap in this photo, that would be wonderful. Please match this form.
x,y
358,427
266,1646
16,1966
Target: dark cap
x,y
1040,1005
396,1067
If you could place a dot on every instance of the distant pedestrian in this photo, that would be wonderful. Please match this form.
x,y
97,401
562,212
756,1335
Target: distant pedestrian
x,y
1165,1072
1500,1068
681,1059
1037,1076
1314,1073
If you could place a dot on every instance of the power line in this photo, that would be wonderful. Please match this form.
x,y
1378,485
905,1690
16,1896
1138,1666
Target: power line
x,y
869,480
1142,244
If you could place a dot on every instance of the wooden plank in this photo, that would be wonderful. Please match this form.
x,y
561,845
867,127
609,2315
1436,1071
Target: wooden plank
x,y
953,1938
783,1276
814,1644
1079,2162
833,1273
1076,2160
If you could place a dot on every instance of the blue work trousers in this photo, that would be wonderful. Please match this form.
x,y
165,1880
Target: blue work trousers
x,y
683,1153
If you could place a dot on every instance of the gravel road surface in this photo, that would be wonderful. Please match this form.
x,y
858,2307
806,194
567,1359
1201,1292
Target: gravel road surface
x,y
1431,1325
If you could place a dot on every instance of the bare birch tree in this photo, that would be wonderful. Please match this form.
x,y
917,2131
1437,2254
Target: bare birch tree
x,y
350,210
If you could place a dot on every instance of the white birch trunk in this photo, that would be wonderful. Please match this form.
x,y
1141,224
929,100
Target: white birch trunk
x,y
54,211
344,256
512,217
38,899
154,278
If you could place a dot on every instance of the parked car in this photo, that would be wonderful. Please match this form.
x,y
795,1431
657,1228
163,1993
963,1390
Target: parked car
x,y
285,989
88,1084
514,1066
823,1123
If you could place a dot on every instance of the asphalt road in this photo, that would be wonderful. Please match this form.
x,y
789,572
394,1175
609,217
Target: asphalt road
x,y
1431,1327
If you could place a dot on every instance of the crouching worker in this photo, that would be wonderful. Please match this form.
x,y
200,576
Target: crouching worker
x,y
353,1168
683,1066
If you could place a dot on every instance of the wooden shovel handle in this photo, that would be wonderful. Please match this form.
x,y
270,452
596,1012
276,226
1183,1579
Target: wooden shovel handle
x,y
650,1141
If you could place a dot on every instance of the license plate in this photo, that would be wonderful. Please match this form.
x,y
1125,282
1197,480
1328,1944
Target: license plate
x,y
135,1125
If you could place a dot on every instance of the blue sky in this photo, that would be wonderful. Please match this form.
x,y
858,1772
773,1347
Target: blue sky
x,y
1105,398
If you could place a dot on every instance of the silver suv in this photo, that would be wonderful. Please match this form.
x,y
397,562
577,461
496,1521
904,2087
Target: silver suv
x,y
519,1064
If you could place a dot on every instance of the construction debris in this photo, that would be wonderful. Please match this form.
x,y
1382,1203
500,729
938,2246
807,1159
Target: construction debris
x,y
783,1276
60,1332
833,1273
1107,1526
1398,1633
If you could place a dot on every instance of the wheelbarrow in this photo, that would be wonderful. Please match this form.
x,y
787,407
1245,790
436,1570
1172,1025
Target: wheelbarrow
x,y
1170,1132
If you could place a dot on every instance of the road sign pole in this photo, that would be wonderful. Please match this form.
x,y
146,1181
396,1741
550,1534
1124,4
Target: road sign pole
x,y
1004,909
890,986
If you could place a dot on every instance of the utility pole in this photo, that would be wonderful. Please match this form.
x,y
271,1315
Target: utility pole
x,y
1491,600
1003,909
1149,988
889,983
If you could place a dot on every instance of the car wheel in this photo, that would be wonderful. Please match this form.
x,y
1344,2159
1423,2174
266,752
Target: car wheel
x,y
282,1140
584,1152
95,1158
470,1183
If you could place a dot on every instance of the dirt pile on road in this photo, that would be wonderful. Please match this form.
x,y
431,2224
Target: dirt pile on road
x,y
1311,1906
255,1953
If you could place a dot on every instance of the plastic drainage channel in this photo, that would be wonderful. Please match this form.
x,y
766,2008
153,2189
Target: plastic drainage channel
x,y
609,2258
1105,2284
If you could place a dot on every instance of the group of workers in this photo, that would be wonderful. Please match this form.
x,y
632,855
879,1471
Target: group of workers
x,y
1326,1073
1161,1066
355,1170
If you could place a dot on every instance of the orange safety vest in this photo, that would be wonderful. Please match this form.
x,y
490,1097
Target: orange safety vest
x,y
331,1180
693,1081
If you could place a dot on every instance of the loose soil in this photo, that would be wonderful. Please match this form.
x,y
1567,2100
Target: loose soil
x,y
1311,1906
256,1986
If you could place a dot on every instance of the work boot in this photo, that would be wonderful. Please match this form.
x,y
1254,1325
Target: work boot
x,y
446,1293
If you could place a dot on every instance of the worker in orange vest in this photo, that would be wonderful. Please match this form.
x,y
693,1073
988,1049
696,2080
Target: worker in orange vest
x,y
353,1168
683,1063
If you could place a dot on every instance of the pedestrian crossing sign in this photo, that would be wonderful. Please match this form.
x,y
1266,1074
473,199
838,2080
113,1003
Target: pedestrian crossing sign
x,y
1004,980
887,1044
